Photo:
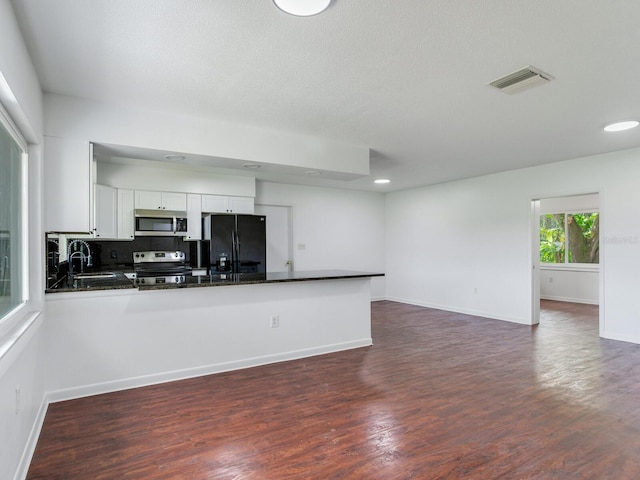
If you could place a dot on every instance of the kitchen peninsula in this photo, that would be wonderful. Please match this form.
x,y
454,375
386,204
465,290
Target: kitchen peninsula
x,y
118,280
111,339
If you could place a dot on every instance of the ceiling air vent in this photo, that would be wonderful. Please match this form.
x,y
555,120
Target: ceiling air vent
x,y
524,79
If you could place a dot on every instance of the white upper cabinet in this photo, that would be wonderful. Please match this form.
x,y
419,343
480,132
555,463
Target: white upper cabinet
x,y
68,185
194,217
126,220
241,205
146,200
106,215
227,204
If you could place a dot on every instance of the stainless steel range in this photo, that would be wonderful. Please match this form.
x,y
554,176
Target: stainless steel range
x,y
160,267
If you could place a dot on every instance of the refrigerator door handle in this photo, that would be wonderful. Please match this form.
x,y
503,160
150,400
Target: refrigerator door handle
x,y
237,248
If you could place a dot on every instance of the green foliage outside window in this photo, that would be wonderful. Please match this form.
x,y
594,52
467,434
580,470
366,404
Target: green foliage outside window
x,y
570,238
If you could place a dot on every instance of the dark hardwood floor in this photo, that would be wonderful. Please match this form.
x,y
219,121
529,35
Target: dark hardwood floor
x,y
439,396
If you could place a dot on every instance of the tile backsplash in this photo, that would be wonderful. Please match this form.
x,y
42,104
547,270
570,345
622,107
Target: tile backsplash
x,y
113,254
119,254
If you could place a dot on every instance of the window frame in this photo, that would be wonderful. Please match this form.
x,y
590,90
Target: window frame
x,y
566,265
14,132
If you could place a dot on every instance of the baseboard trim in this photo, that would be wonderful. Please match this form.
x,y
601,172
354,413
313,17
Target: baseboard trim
x,y
464,311
32,441
620,337
569,299
157,378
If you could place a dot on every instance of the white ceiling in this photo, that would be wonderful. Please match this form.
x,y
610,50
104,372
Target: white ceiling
x,y
406,78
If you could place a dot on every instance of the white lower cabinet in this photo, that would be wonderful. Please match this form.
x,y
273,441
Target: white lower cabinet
x,y
227,204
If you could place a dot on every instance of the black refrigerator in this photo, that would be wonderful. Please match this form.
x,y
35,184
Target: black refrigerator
x,y
235,243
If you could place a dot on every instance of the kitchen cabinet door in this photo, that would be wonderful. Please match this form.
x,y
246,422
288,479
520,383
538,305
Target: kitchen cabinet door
x,y
146,200
174,201
106,204
215,203
68,185
227,204
126,220
241,205
194,217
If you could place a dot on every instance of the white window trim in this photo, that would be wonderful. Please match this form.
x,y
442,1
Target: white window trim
x,y
7,122
567,266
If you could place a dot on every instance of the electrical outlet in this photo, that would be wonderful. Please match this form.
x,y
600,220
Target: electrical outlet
x,y
274,321
550,279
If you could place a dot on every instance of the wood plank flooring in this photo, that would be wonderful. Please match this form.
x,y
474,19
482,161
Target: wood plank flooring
x,y
439,396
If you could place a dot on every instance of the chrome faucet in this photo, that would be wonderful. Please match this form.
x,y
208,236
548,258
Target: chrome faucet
x,y
78,253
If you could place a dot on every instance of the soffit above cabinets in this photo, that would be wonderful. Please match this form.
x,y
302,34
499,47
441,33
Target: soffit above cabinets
x,y
124,155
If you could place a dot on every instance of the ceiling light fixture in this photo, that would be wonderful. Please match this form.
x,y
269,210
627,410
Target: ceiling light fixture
x,y
302,8
313,172
620,126
251,165
382,180
174,157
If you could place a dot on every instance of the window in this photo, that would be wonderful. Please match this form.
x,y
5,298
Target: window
x,y
12,221
570,238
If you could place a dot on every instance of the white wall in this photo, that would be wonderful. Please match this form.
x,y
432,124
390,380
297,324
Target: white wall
x,y
339,229
444,241
569,283
565,285
22,365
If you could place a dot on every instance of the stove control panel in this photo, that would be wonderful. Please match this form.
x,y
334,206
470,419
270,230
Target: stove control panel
x,y
158,256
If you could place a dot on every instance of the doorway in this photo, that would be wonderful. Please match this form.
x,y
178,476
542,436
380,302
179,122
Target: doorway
x,y
279,236
560,226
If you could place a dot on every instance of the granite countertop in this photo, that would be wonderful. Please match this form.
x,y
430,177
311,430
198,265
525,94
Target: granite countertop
x,y
93,281
257,278
118,280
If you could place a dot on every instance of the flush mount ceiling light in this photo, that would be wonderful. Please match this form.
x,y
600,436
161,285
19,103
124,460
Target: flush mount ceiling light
x,y
251,165
174,157
313,172
302,8
382,180
620,126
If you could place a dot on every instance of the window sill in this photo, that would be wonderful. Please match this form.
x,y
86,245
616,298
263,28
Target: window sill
x,y
576,267
12,329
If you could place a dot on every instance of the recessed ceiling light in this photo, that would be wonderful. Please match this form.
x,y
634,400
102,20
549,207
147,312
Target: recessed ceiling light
x,y
313,172
251,165
620,126
302,8
174,157
382,180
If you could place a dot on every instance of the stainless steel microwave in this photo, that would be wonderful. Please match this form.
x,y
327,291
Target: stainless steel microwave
x,y
160,224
